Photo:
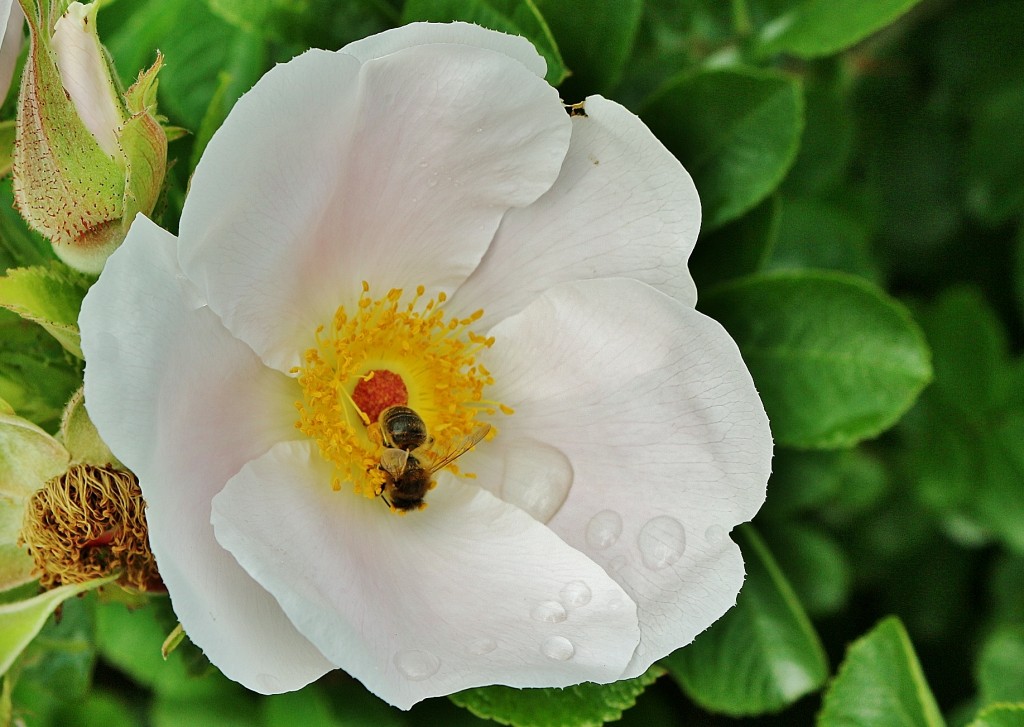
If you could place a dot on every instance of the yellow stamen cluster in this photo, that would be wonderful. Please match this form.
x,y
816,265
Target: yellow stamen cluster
x,y
435,356
88,523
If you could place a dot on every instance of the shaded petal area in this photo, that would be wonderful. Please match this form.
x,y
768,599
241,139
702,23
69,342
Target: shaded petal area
x,y
622,206
468,592
184,405
667,443
396,171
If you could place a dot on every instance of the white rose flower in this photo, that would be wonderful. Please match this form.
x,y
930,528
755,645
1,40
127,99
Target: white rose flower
x,y
415,219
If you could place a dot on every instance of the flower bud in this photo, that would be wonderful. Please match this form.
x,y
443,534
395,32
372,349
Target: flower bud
x,y
87,158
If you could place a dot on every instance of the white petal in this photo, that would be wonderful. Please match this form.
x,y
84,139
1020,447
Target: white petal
x,y
622,206
667,439
12,19
467,592
329,173
414,34
185,405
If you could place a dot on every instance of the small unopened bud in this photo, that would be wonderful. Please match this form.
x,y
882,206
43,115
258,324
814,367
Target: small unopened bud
x,y
88,523
87,158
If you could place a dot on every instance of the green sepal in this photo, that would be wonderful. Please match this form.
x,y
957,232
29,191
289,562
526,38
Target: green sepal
x,y
83,442
23,619
28,458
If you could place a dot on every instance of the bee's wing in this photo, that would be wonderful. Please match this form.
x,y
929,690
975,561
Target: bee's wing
x,y
460,448
393,461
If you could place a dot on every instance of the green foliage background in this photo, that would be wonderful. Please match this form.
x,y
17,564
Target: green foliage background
x,y
860,167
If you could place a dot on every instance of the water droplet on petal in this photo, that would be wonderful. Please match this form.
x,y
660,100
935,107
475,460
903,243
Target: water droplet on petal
x,y
423,162
558,648
416,665
537,478
575,594
551,612
662,542
431,182
604,529
616,564
483,645
715,534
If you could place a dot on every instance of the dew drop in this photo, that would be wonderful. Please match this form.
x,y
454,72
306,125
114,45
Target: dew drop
x,y
715,534
617,563
551,612
423,163
537,478
604,529
431,182
416,665
483,645
575,594
558,648
662,542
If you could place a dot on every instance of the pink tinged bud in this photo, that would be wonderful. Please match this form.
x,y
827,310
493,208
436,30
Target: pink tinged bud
x,y
85,75
86,159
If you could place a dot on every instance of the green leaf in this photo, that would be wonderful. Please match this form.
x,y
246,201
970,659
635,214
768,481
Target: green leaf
x,y
597,57
966,439
880,683
815,234
130,640
305,707
23,619
838,485
1018,277
737,249
1000,666
834,358
736,131
50,296
1000,715
815,565
994,167
193,59
584,705
19,246
232,707
518,17
762,655
215,114
827,144
99,709
821,27
36,375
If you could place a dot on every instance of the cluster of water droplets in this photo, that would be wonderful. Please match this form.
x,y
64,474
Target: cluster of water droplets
x,y
661,541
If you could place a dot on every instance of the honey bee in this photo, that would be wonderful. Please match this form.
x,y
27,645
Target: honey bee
x,y
408,476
